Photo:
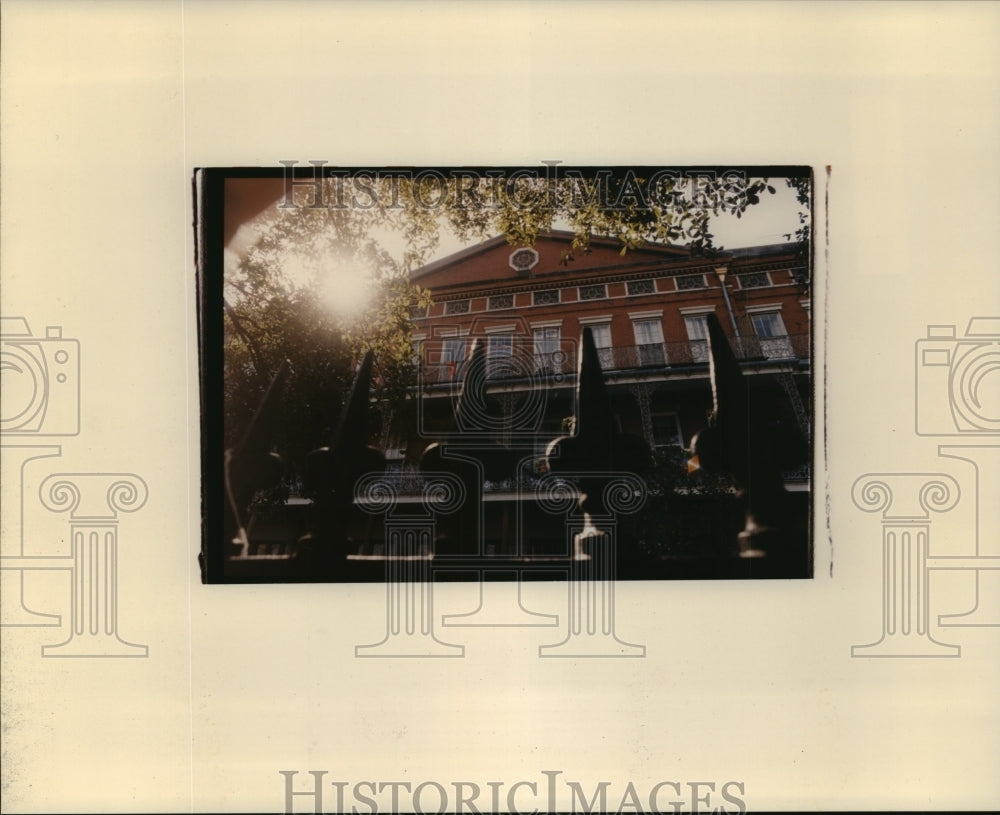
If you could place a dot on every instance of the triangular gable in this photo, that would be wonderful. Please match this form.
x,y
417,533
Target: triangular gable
x,y
489,262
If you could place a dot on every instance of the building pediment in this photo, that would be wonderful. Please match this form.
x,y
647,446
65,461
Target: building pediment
x,y
552,257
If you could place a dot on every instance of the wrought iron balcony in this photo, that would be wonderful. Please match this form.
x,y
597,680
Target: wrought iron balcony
x,y
792,347
695,352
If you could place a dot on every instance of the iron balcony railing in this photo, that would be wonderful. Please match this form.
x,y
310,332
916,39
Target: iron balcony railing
x,y
792,347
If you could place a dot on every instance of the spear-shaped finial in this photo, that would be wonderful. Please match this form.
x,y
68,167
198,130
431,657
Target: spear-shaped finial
x,y
476,409
739,441
332,471
251,466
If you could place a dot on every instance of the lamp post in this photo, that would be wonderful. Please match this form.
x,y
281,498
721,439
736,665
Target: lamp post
x,y
721,272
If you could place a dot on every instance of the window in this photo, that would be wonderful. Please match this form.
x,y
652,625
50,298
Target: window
x,y
601,333
452,357
754,280
456,307
418,312
548,357
500,301
640,287
697,331
498,355
548,297
690,281
770,329
649,342
595,292
666,430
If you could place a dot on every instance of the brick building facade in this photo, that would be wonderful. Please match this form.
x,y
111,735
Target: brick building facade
x,y
646,310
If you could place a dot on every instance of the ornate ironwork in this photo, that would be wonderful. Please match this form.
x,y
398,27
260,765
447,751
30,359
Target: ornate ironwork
x,y
596,292
754,280
690,281
792,347
500,301
641,286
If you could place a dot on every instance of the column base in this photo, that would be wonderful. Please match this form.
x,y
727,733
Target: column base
x,y
95,645
906,645
15,612
985,613
500,607
410,645
593,645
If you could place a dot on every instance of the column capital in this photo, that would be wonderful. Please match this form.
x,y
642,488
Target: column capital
x,y
440,492
93,496
622,493
905,496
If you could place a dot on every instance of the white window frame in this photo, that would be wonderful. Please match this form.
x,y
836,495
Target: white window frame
x,y
493,334
450,365
649,354
547,353
698,345
775,346
605,353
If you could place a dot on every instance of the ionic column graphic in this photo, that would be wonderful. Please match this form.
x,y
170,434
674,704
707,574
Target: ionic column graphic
x,y
501,603
985,458
13,559
409,542
94,501
905,501
592,538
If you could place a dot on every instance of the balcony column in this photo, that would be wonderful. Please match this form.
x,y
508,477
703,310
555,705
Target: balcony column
x,y
507,403
905,501
641,393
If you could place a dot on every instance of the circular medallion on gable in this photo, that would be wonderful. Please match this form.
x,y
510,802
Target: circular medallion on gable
x,y
523,260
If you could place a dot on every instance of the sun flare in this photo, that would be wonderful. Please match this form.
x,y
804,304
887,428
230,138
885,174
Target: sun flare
x,y
343,287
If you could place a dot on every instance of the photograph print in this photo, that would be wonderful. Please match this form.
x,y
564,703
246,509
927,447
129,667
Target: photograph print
x,y
505,373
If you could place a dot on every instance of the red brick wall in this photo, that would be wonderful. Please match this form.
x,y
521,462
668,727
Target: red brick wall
x,y
475,276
